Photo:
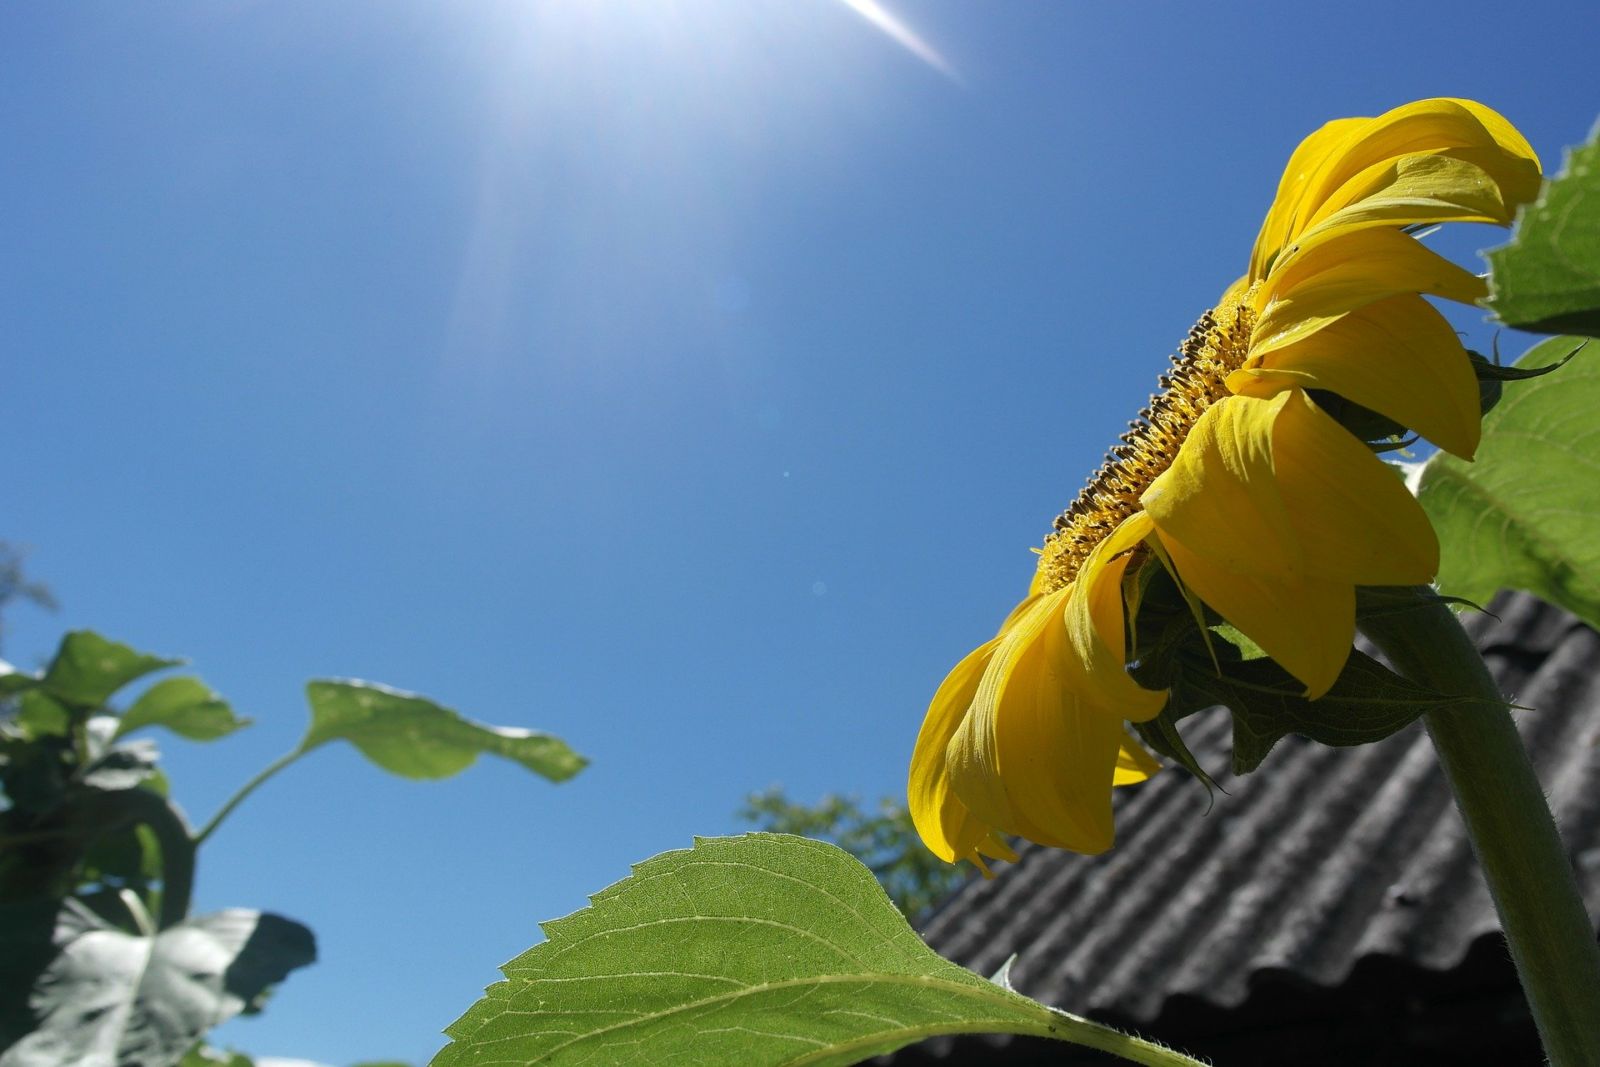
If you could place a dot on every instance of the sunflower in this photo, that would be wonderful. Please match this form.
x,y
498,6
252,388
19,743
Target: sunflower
x,y
1237,479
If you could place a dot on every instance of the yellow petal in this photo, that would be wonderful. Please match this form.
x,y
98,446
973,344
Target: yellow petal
x,y
1425,127
1398,357
1410,191
1342,150
1095,628
1306,625
1134,764
1326,280
943,822
1220,495
1354,519
1292,188
1032,756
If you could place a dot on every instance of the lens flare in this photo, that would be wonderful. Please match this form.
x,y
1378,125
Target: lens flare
x,y
902,35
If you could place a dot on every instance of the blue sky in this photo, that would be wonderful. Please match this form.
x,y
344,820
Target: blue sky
x,y
686,379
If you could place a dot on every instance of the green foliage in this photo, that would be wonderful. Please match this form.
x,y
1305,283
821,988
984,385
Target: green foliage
x,y
105,995
87,669
1547,278
757,950
187,707
91,848
886,841
413,737
1218,666
1524,514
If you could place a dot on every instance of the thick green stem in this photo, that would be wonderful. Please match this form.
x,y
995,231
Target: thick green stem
x,y
1529,874
245,790
177,854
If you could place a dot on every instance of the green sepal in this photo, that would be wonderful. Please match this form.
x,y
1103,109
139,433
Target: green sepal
x,y
1368,702
1373,601
1491,374
1168,624
1362,422
1161,735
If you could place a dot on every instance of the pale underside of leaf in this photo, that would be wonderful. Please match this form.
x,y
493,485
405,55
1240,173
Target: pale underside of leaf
x,y
1526,514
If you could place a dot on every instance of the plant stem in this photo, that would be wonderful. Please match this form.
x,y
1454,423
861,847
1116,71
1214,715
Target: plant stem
x,y
245,790
133,806
1530,876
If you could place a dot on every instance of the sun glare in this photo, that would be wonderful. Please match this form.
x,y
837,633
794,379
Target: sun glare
x,y
902,35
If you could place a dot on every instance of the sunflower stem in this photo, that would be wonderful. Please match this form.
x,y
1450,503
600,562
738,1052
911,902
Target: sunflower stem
x,y
1512,831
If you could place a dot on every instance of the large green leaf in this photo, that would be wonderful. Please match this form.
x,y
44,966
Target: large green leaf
x,y
412,736
1526,514
757,950
187,707
1548,278
110,997
87,668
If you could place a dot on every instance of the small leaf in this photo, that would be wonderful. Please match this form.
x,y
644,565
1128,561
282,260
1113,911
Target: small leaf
x,y
187,707
411,736
1548,278
762,950
1524,514
107,996
87,669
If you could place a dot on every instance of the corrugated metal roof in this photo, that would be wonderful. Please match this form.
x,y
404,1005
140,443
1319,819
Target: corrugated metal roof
x,y
1320,860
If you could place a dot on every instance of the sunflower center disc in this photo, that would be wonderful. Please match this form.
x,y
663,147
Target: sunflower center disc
x,y
1216,346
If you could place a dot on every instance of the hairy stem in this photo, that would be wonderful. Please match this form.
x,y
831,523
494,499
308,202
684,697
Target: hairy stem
x,y
1530,877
